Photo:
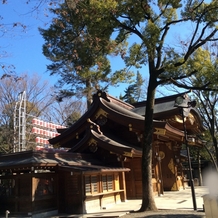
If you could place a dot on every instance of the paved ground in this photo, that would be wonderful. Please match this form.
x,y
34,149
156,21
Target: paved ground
x,y
171,205
166,214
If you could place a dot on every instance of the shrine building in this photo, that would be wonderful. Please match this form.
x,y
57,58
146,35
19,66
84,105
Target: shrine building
x,y
102,165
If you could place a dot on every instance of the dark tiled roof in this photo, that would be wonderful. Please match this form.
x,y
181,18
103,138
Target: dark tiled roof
x,y
93,168
124,114
77,161
107,144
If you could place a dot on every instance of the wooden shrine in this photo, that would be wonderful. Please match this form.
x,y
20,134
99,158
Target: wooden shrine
x,y
103,163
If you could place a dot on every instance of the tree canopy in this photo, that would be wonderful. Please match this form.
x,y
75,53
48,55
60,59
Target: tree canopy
x,y
78,56
153,29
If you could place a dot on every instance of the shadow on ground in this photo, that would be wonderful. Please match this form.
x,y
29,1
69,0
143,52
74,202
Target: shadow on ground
x,y
174,216
166,214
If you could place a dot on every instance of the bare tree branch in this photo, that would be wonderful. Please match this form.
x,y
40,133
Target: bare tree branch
x,y
204,87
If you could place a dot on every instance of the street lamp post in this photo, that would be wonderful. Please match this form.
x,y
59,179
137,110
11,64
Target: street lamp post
x,y
183,103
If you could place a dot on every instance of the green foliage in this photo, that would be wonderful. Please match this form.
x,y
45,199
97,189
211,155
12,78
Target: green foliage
x,y
95,23
134,92
78,47
136,57
129,94
204,61
206,66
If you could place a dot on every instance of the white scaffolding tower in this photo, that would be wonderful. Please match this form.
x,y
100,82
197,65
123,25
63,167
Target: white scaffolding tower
x,y
20,123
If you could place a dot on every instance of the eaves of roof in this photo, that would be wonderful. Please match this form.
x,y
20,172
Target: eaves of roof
x,y
93,169
113,111
126,115
46,159
160,100
107,144
80,124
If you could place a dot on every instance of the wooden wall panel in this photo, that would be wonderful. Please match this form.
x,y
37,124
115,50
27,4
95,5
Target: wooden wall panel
x,y
61,191
45,204
138,189
108,200
92,204
24,203
116,181
130,185
44,193
72,193
118,198
154,183
133,178
168,167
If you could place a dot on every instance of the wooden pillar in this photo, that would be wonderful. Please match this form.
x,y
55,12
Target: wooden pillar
x,y
34,185
132,179
16,192
160,180
159,176
123,186
83,192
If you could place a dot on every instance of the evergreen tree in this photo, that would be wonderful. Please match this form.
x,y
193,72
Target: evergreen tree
x,y
134,92
139,92
129,94
79,57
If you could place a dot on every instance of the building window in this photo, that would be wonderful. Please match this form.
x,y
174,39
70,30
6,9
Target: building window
x,y
91,184
94,182
104,183
88,184
45,187
7,187
107,183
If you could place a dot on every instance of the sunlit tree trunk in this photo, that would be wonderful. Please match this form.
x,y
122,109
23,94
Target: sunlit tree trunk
x,y
148,202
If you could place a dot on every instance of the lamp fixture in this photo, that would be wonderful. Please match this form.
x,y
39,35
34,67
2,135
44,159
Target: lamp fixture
x,y
183,101
184,104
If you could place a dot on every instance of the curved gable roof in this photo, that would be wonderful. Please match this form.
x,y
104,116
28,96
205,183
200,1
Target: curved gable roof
x,y
93,138
164,109
102,105
166,118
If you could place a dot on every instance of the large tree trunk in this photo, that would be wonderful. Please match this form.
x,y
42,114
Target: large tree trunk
x,y
148,202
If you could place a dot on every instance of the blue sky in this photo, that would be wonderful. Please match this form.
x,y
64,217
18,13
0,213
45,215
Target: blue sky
x,y
24,46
